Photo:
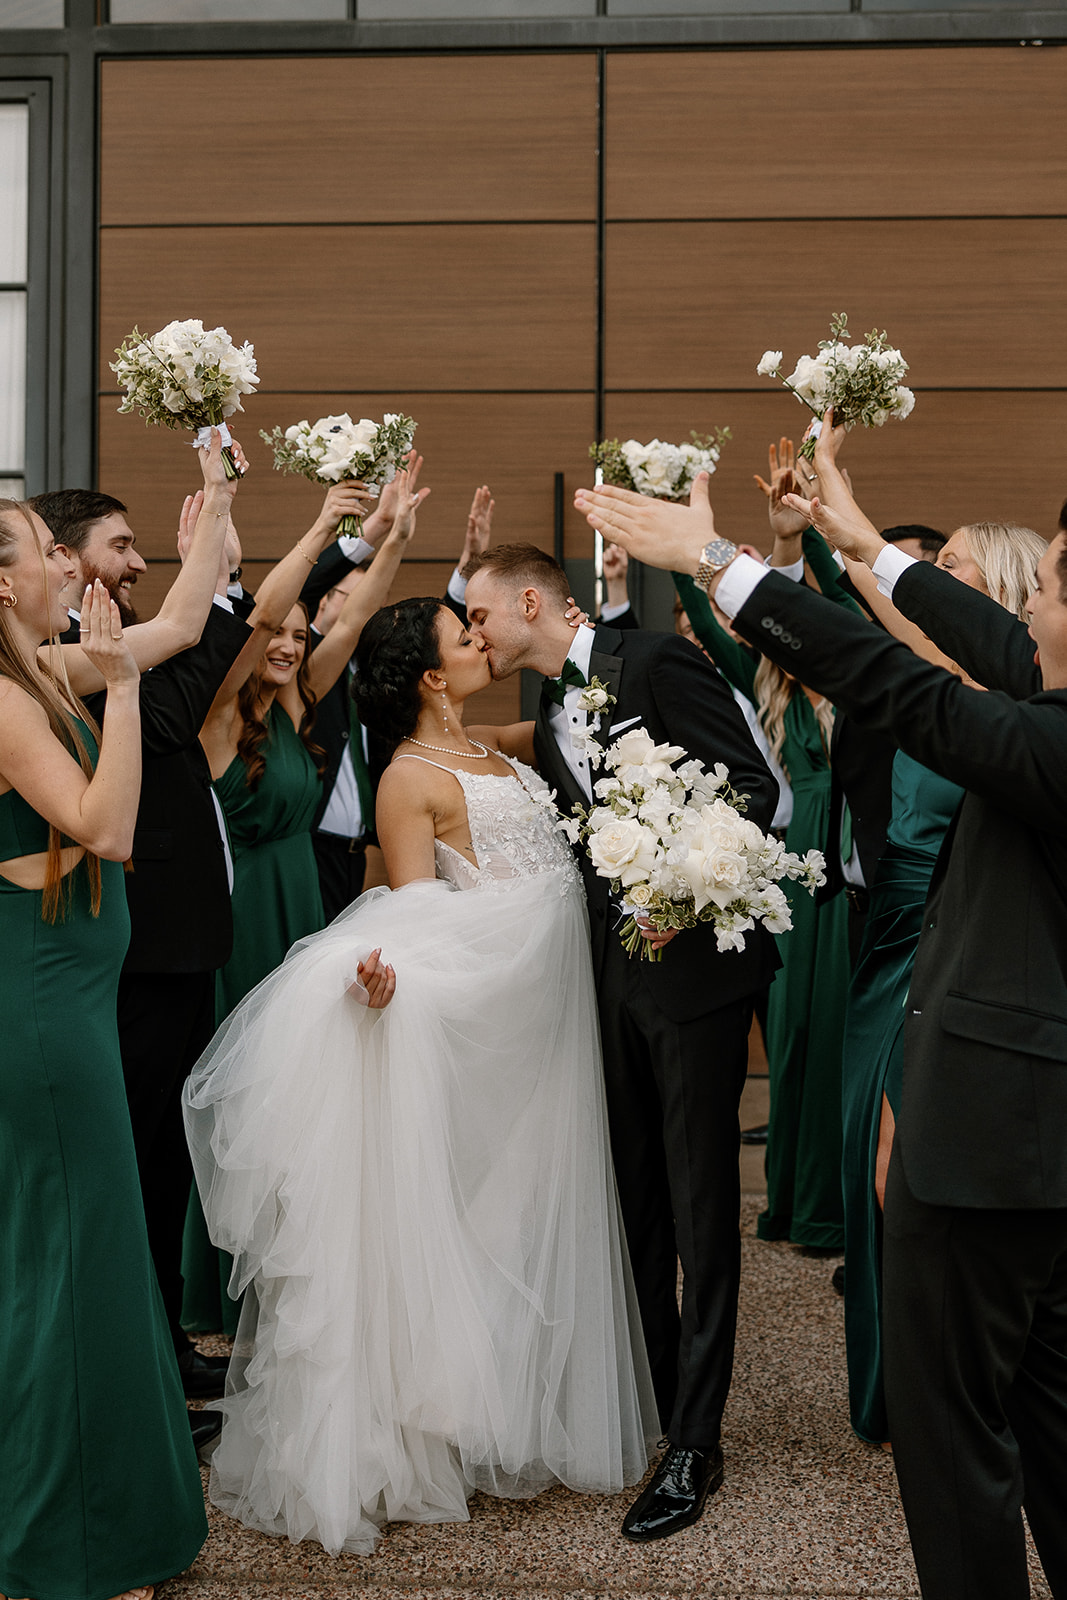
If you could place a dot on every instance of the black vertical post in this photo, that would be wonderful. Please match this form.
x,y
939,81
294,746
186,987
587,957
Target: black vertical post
x,y
557,517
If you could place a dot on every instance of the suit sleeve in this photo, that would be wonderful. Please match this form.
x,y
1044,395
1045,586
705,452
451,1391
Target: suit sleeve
x,y
330,568
702,715
176,696
988,642
1012,753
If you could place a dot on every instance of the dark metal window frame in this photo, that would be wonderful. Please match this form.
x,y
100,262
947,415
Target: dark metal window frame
x,y
57,71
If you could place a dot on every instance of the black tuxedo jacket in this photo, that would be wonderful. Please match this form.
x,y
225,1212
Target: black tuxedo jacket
x,y
664,684
178,893
983,1119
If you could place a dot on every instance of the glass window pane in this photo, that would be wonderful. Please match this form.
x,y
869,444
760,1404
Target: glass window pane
x,y
14,188
228,10
12,488
457,10
31,14
12,380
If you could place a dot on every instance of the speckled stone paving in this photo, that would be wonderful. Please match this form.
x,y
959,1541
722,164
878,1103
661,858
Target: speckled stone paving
x,y
806,1508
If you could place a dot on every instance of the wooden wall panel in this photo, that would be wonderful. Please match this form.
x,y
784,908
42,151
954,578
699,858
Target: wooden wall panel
x,y
972,303
960,457
903,132
355,139
515,443
509,307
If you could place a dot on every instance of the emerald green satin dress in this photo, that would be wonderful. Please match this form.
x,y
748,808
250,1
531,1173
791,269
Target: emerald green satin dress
x,y
276,901
923,806
806,1006
99,1485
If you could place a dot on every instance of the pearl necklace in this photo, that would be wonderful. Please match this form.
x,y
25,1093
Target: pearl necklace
x,y
447,750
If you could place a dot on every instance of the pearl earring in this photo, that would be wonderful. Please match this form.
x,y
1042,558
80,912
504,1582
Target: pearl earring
x,y
444,705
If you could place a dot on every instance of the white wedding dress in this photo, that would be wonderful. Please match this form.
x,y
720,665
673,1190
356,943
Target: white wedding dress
x,y
421,1206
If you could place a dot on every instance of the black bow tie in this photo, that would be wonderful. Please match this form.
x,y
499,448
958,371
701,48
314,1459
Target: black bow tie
x,y
572,677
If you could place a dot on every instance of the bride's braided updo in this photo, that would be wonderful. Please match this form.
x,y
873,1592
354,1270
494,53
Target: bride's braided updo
x,y
396,647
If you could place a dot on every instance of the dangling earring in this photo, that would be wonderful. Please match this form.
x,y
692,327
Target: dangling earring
x,y
9,600
444,704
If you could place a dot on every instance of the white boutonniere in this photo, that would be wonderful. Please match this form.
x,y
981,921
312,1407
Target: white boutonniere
x,y
595,697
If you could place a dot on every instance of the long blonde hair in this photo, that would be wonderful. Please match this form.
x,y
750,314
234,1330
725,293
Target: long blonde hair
x,y
1006,554
43,688
774,690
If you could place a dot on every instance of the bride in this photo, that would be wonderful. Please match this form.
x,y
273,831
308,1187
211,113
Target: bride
x,y
400,1136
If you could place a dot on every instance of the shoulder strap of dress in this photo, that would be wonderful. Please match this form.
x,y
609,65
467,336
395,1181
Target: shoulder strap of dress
x,y
409,755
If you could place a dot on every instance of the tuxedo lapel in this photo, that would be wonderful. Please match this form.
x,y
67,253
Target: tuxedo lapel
x,y
606,665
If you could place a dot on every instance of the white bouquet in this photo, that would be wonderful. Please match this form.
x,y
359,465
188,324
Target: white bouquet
x,y
676,845
186,376
862,382
335,449
657,468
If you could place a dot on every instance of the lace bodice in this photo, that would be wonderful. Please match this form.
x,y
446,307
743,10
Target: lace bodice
x,y
513,823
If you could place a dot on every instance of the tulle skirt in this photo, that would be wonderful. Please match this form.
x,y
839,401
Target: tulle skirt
x,y
423,1219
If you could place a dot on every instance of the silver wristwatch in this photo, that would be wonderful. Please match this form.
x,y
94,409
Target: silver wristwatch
x,y
714,556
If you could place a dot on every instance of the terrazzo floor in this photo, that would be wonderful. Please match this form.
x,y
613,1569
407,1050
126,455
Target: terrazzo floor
x,y
806,1508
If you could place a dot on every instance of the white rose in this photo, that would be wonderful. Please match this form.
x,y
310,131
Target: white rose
x,y
639,896
724,869
624,850
593,698
631,748
904,404
769,363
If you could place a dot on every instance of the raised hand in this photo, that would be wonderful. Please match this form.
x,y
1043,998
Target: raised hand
x,y
101,637
378,982
479,527
848,530
187,522
348,499
381,519
785,475
214,469
407,501
616,564
657,532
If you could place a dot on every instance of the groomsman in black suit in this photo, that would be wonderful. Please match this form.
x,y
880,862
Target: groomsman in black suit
x,y
674,1032
178,890
975,1234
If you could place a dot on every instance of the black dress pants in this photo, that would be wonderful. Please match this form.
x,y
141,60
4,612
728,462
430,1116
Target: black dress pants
x,y
673,1090
975,1350
342,865
165,1022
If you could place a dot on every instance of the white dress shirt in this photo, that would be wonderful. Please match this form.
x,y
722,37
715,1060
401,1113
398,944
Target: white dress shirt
x,y
569,719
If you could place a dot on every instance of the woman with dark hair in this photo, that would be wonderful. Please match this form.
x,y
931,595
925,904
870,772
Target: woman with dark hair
x,y
267,772
401,1138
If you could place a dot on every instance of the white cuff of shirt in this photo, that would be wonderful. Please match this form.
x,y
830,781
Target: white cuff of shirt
x,y
457,587
609,613
355,548
738,581
890,564
794,571
224,601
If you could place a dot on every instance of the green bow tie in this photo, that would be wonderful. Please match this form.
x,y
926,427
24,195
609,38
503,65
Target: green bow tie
x,y
572,677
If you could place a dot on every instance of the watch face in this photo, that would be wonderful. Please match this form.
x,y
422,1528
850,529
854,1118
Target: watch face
x,y
719,553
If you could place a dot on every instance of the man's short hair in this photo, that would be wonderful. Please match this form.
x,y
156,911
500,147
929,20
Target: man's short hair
x,y
1061,564
523,566
930,541
71,513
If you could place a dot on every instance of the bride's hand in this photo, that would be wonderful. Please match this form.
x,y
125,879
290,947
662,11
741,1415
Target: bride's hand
x,y
378,981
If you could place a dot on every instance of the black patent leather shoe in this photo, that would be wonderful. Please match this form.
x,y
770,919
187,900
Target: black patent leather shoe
x,y
203,1377
675,1496
206,1426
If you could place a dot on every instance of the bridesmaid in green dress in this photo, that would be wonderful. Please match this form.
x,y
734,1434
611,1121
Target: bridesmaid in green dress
x,y
99,1491
264,763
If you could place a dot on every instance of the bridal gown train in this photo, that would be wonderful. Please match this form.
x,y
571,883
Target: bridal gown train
x,y
421,1207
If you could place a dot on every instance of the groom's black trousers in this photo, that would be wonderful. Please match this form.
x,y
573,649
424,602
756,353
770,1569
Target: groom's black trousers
x,y
673,1090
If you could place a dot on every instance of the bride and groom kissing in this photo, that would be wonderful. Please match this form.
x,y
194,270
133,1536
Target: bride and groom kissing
x,y
418,1191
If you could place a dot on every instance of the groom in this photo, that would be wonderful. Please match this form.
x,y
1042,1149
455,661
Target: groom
x,y
674,1032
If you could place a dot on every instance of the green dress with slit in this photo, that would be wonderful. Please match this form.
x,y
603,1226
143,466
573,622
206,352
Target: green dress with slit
x,y
276,901
99,1485
923,806
806,1006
